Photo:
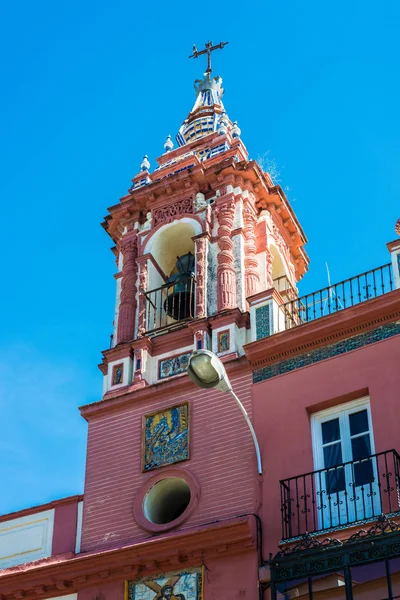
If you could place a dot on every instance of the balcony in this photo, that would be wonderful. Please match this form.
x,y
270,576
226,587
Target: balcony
x,y
331,299
171,305
341,495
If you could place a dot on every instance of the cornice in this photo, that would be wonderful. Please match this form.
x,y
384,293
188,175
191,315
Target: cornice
x,y
325,330
40,508
118,399
66,573
394,245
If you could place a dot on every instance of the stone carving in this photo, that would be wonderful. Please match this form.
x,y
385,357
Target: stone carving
x,y
252,278
127,308
397,227
269,266
200,277
200,202
280,242
226,271
147,224
166,214
142,298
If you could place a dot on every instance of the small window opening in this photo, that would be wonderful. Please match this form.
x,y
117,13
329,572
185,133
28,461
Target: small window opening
x,y
166,500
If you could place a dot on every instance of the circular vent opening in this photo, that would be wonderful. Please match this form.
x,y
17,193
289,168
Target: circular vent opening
x,y
166,500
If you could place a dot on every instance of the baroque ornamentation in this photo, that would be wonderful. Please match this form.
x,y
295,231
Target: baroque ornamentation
x,y
226,271
166,214
309,542
252,278
142,298
200,277
127,308
200,202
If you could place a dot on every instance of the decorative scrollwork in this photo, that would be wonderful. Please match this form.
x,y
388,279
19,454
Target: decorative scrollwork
x,y
166,214
308,542
382,525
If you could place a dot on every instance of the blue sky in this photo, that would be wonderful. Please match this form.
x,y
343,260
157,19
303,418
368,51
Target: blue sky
x,y
87,89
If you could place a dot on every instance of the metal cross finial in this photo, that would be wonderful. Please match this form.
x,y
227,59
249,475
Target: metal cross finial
x,y
207,50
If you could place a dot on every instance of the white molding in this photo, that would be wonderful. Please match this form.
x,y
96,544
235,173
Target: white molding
x,y
25,539
79,527
324,415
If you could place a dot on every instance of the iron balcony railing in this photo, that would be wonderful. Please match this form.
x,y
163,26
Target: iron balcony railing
x,y
338,496
171,304
338,296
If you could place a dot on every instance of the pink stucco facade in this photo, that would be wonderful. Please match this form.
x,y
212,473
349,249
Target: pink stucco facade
x,y
208,256
283,407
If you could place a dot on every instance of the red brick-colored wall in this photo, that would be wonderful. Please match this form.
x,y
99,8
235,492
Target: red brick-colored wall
x,y
222,460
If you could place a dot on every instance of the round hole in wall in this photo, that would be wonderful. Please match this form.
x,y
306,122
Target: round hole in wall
x,y
166,500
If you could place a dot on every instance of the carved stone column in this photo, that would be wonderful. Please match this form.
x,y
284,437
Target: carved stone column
x,y
127,308
200,277
226,271
269,260
143,276
251,275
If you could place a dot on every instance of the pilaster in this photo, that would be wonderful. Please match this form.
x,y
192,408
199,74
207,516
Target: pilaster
x,y
143,277
225,212
127,308
251,275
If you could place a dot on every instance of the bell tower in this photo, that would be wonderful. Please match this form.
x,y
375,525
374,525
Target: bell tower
x,y
199,241
208,250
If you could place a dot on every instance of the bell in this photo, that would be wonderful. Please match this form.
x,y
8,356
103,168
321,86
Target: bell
x,y
179,303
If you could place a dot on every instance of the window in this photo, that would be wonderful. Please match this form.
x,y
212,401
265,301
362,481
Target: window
x,y
346,476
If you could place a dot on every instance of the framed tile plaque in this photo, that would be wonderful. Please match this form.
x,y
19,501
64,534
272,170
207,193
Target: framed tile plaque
x,y
165,437
182,585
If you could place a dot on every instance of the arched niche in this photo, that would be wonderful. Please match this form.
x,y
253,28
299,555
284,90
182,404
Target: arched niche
x,y
278,265
172,240
170,300
281,276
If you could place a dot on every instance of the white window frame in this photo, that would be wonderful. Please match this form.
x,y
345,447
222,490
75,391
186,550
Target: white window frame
x,y
344,409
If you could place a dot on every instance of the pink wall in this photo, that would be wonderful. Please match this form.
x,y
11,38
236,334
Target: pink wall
x,y
64,534
282,407
222,461
234,577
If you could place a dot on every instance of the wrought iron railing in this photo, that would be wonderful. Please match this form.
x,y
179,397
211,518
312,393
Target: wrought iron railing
x,y
338,496
171,304
338,296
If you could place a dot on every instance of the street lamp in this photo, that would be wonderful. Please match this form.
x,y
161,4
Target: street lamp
x,y
206,370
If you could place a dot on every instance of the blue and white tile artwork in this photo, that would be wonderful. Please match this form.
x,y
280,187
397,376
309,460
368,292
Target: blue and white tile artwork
x,y
166,437
182,585
263,328
173,365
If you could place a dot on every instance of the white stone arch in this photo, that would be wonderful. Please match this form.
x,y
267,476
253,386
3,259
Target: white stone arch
x,y
279,267
168,242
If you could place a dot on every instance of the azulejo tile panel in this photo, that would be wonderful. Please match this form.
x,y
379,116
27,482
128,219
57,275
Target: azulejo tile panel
x,y
314,356
398,263
166,437
263,328
181,585
117,374
223,341
173,365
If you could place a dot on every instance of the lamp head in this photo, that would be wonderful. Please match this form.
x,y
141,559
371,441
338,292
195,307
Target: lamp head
x,y
206,370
